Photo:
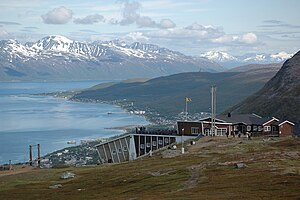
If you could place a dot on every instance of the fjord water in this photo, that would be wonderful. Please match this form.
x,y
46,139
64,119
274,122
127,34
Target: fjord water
x,y
31,119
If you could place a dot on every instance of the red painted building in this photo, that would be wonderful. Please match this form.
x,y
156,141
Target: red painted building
x,y
237,125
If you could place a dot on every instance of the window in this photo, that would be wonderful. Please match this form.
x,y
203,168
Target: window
x,y
235,128
154,143
114,152
248,128
148,145
195,130
120,150
207,131
260,128
142,146
160,142
124,148
274,128
166,140
221,131
254,128
267,128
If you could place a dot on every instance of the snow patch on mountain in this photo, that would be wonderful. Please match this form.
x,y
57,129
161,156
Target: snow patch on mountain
x,y
228,60
218,56
281,56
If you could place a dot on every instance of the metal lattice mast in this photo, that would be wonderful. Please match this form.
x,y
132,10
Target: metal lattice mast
x,y
213,109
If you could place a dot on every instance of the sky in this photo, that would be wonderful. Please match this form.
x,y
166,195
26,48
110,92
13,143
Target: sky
x,y
192,27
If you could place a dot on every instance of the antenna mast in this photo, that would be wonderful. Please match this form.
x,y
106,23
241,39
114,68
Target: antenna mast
x,y
213,109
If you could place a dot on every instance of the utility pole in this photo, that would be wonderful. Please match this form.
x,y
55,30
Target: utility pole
x,y
30,155
213,109
182,148
186,112
39,154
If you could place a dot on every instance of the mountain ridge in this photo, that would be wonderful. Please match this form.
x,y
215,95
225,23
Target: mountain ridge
x,y
227,60
165,95
57,57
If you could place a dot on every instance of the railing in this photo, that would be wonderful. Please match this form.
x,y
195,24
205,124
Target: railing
x,y
156,132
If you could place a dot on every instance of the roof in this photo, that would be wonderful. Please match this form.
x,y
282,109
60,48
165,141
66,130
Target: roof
x,y
270,120
243,118
279,123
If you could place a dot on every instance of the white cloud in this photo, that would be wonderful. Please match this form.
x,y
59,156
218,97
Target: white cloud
x,y
90,19
249,38
194,31
3,33
60,15
281,55
225,39
136,37
167,23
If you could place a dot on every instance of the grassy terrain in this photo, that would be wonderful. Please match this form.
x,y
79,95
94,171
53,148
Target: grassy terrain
x,y
206,171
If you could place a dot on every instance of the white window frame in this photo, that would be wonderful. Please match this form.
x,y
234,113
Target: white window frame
x,y
154,143
207,131
221,131
255,128
248,128
167,140
195,130
267,128
124,148
142,146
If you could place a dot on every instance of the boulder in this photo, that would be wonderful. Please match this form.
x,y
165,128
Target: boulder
x,y
67,175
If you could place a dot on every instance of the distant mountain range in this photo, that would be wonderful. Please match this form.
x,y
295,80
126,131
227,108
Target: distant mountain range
x,y
165,95
280,97
59,58
230,61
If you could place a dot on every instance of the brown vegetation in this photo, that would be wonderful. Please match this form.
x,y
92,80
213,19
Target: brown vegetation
x,y
206,171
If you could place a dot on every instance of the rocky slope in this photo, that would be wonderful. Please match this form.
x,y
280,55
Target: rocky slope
x,y
59,58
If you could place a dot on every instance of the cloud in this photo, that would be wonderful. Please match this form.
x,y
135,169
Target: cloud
x,y
277,24
194,31
9,23
131,15
31,27
145,21
88,31
136,37
249,38
167,23
3,33
90,19
60,15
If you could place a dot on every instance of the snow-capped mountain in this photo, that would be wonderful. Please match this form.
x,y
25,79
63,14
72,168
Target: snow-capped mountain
x,y
57,57
229,61
218,56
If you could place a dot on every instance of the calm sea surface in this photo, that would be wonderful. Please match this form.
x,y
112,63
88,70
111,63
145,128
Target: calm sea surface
x,y
26,119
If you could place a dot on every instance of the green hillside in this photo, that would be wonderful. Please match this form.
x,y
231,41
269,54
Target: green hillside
x,y
165,95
